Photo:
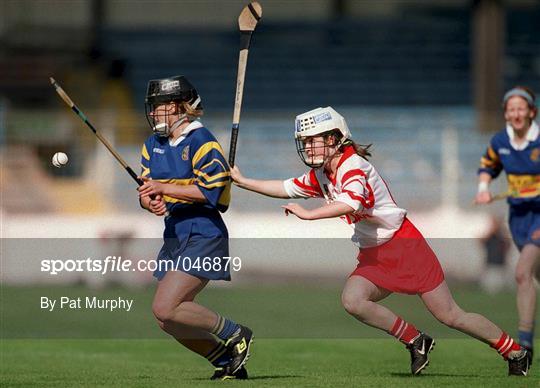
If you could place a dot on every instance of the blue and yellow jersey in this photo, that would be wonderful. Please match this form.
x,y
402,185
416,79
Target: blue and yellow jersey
x,y
521,164
195,159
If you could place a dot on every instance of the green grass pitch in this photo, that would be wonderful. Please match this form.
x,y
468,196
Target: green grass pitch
x,y
303,338
274,362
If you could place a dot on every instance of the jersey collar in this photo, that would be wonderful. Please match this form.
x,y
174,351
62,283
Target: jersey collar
x,y
191,127
532,135
347,152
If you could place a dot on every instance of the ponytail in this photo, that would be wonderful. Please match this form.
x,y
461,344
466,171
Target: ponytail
x,y
361,149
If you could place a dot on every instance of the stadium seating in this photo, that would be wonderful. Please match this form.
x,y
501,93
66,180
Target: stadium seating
x,y
421,58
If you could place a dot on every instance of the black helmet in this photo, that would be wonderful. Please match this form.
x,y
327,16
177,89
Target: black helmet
x,y
177,88
166,90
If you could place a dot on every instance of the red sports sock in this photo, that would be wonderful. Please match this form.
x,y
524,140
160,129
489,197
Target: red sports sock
x,y
403,331
505,345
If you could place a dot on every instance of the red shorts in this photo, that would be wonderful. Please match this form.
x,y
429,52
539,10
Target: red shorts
x,y
405,264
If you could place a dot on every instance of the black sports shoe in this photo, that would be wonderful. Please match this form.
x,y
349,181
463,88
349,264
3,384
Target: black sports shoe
x,y
222,373
519,364
531,355
420,348
239,345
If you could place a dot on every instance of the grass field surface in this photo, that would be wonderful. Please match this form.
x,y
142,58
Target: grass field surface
x,y
303,338
274,362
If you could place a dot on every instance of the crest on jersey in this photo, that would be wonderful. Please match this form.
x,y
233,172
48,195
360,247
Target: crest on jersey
x,y
535,155
185,153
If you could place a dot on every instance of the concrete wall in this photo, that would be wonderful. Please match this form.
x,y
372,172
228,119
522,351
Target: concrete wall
x,y
269,244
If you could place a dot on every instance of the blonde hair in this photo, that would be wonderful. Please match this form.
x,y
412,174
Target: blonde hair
x,y
185,107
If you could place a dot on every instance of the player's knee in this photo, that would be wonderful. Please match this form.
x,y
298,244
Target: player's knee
x,y
353,304
523,277
450,318
162,312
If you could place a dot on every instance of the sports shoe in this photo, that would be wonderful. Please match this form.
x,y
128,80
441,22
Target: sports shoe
x,y
531,355
519,363
420,348
222,373
239,345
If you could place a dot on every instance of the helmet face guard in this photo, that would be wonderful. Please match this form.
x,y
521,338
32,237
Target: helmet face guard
x,y
159,122
160,92
320,122
313,155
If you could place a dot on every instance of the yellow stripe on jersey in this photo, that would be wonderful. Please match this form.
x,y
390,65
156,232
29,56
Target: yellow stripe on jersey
x,y
523,186
217,184
485,162
212,161
492,155
181,182
225,197
145,171
144,152
213,177
168,199
204,149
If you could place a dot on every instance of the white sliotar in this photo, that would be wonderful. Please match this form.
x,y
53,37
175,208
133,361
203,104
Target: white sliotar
x,y
59,159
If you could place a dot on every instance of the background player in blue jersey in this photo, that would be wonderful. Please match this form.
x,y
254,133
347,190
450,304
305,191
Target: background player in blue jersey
x,y
187,180
516,150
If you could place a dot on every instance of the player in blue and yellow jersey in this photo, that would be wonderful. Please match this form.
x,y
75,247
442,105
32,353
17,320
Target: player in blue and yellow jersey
x,y
516,150
187,181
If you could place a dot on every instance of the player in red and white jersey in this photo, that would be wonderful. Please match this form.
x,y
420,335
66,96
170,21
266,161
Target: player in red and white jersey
x,y
393,257
357,184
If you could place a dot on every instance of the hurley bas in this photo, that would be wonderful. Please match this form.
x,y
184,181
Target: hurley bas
x,y
87,303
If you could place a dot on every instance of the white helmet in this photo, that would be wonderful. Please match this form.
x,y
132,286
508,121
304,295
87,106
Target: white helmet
x,y
318,121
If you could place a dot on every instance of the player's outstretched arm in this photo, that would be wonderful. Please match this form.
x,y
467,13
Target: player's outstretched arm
x,y
271,188
331,210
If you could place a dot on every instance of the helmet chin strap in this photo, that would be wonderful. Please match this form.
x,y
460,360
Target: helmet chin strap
x,y
161,129
329,158
164,130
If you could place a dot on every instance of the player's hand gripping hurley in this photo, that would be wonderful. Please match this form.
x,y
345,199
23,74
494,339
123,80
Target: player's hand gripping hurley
x,y
247,21
83,117
501,196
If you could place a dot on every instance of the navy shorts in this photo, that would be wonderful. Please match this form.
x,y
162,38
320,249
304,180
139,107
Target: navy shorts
x,y
524,226
198,246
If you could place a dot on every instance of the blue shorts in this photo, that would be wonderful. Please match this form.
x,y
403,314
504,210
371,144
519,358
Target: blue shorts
x,y
524,226
198,246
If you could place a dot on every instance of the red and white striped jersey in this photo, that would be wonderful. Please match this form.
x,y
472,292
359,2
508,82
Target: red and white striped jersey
x,y
376,217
